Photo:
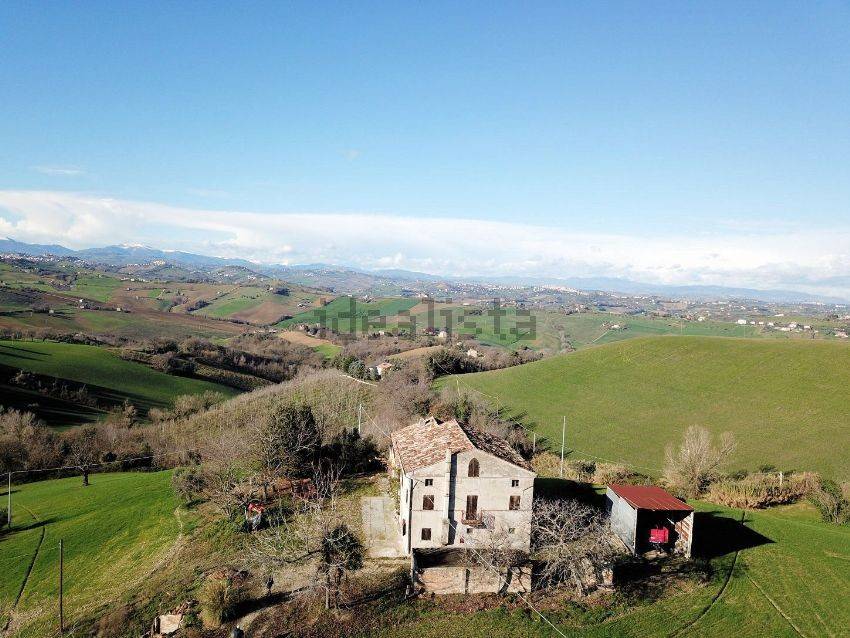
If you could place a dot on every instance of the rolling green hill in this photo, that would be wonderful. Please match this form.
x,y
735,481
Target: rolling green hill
x,y
788,402
105,374
114,531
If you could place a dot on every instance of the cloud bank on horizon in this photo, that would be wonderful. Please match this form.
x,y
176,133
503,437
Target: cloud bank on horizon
x,y
750,254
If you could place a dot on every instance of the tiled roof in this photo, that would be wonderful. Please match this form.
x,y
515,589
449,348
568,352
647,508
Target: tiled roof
x,y
425,443
494,445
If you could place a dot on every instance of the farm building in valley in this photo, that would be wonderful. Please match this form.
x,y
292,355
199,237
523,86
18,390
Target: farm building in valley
x,y
646,517
460,488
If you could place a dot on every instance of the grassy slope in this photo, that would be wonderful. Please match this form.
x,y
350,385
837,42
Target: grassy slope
x,y
114,532
797,561
118,528
103,371
787,401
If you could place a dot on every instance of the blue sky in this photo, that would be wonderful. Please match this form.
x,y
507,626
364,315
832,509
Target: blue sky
x,y
692,128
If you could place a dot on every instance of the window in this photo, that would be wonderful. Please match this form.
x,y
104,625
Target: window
x,y
514,482
429,482
512,530
428,502
426,533
469,530
471,506
514,504
473,468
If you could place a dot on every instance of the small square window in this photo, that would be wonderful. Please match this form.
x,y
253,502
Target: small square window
x,y
428,502
469,530
514,503
515,483
429,482
426,533
512,530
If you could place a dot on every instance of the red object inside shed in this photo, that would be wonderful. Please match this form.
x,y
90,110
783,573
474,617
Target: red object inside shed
x,y
659,535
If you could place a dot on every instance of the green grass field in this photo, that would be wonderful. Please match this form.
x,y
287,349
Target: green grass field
x,y
105,374
788,402
344,316
114,532
328,350
779,573
789,568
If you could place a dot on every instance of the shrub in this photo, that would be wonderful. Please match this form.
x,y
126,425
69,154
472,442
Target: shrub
x,y
218,599
545,464
585,471
187,482
832,501
760,490
607,473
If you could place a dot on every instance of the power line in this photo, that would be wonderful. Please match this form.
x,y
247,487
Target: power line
x,y
102,463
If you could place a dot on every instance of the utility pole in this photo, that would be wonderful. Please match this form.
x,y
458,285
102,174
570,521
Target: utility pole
x,y
9,506
61,575
534,442
359,417
563,440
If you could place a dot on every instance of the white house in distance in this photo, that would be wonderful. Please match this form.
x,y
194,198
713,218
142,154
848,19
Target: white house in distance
x,y
459,485
381,368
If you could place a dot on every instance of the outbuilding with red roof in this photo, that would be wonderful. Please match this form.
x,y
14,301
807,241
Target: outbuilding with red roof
x,y
646,517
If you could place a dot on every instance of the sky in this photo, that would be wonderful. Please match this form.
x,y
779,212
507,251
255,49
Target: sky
x,y
684,143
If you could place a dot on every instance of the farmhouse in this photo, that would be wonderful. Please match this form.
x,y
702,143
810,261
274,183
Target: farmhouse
x,y
646,517
460,488
457,483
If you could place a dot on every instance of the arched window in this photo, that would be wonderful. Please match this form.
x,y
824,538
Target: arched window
x,y
473,468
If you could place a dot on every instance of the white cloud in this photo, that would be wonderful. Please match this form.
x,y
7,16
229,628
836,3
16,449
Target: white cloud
x,y
810,259
66,171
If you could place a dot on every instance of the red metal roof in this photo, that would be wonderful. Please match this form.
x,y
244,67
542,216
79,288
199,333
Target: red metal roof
x,y
649,497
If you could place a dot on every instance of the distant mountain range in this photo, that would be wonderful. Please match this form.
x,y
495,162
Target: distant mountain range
x,y
349,279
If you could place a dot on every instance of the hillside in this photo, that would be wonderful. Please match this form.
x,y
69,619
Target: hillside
x,y
115,531
779,567
788,402
106,376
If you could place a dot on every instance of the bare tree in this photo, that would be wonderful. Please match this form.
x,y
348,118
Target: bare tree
x,y
315,532
226,480
84,449
697,462
572,542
